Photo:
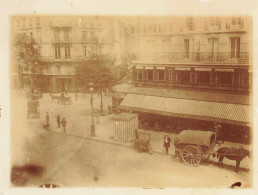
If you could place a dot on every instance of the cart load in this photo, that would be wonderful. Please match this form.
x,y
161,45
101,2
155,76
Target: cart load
x,y
194,145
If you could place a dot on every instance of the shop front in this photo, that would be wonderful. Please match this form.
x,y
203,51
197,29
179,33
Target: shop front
x,y
173,115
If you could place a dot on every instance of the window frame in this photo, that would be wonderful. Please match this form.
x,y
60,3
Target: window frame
x,y
57,52
67,52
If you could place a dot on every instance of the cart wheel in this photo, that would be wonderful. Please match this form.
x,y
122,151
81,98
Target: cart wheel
x,y
205,157
191,155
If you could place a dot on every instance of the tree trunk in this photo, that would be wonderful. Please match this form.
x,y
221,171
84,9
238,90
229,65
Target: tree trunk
x,y
101,103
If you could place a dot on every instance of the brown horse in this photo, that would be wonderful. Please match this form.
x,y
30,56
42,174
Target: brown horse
x,y
232,154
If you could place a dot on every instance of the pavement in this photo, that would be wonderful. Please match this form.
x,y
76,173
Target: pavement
x,y
105,134
104,130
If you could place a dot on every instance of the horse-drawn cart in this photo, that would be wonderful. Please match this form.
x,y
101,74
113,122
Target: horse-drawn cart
x,y
33,108
65,100
142,142
61,98
193,146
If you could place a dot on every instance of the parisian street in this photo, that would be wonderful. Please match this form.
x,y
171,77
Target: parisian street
x,y
74,159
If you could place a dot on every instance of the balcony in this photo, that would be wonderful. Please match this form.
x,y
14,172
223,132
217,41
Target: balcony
x,y
191,57
91,40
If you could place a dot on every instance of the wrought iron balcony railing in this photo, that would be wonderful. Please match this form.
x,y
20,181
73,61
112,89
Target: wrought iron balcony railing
x,y
197,57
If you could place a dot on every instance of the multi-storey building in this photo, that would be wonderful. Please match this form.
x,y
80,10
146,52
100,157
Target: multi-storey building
x,y
64,41
196,68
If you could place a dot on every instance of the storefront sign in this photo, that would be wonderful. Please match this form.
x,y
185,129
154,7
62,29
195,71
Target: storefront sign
x,y
183,69
202,69
160,68
224,70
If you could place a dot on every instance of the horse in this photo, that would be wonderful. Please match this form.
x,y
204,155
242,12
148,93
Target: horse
x,y
232,154
55,97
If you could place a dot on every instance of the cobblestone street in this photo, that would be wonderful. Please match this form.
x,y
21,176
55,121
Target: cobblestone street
x,y
76,159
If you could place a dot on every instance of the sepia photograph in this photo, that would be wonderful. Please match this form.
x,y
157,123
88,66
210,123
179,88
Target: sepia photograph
x,y
131,101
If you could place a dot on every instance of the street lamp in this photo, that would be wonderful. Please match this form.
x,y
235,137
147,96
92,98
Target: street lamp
x,y
92,133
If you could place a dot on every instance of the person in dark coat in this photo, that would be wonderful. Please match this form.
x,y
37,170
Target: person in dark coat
x,y
217,130
58,119
47,119
166,141
64,123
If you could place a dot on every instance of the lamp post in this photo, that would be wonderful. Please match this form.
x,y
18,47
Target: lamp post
x,y
92,132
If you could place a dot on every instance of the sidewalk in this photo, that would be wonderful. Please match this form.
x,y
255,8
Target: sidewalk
x,y
105,134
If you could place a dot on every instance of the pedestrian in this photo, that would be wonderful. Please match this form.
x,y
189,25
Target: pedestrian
x,y
58,119
64,122
217,130
166,141
47,119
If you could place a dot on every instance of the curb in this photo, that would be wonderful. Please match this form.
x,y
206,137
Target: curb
x,y
101,141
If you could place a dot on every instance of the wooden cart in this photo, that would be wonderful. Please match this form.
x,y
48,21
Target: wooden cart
x,y
142,142
33,108
193,146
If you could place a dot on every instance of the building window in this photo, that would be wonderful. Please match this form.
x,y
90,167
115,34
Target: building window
x,y
240,21
85,51
57,52
58,68
92,35
150,74
56,35
150,28
161,75
235,47
233,21
66,35
215,21
92,49
190,24
164,28
67,51
84,35
100,50
213,47
186,48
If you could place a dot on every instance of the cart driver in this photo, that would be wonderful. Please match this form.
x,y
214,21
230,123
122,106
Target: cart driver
x,y
217,130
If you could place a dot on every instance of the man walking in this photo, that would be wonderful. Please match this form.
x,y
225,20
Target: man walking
x,y
64,122
166,141
47,119
58,119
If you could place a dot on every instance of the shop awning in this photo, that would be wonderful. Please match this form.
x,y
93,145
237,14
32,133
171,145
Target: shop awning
x,y
202,110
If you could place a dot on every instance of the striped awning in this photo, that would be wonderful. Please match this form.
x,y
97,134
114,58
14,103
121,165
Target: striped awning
x,y
202,110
